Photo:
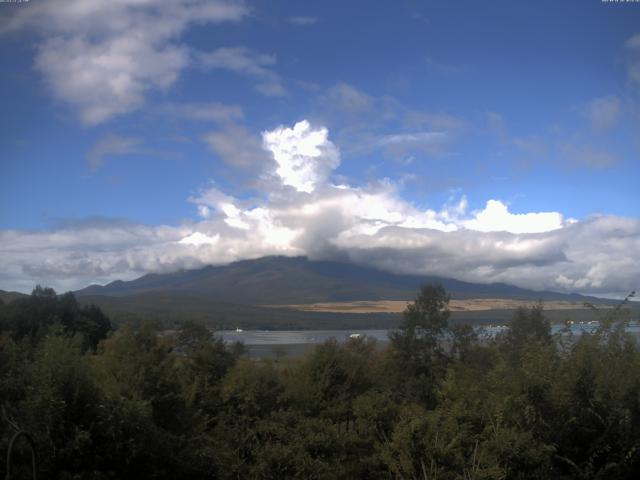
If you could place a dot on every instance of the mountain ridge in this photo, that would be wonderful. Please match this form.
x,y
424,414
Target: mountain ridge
x,y
8,296
280,280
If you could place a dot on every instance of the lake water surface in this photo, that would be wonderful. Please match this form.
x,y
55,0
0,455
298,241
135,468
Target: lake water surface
x,y
311,337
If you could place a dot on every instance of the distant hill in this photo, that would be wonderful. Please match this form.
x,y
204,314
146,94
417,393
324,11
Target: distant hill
x,y
288,280
7,297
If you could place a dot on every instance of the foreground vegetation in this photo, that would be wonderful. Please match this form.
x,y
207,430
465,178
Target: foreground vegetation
x,y
136,404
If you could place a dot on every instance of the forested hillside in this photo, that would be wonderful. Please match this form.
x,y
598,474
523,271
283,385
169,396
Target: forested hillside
x,y
136,404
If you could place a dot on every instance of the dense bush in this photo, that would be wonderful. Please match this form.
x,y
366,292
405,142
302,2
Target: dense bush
x,y
436,403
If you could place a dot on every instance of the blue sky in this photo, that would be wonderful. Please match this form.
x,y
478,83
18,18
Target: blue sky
x,y
147,114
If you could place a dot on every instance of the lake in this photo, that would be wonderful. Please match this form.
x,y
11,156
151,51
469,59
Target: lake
x,y
270,343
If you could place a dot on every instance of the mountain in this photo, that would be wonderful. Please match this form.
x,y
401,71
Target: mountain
x,y
248,294
294,280
7,297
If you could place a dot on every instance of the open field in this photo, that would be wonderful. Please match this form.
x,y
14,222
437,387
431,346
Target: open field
x,y
397,306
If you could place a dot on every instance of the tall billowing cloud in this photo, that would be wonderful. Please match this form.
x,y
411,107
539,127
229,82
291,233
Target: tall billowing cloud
x,y
304,155
305,213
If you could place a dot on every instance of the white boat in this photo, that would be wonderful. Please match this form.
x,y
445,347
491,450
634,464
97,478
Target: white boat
x,y
239,330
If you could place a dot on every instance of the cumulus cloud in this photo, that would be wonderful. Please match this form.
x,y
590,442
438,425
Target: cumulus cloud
x,y
248,62
110,145
102,57
305,156
496,217
368,225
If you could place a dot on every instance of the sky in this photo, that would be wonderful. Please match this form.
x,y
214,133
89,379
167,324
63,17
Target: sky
x,y
485,141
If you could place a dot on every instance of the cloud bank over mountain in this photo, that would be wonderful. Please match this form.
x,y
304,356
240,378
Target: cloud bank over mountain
x,y
303,210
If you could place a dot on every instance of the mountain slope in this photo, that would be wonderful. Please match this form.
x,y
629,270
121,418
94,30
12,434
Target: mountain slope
x,y
7,297
172,309
285,280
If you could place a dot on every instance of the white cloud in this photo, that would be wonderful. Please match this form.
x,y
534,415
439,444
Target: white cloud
x,y
199,238
371,225
102,57
110,145
244,61
305,156
496,218
223,203
109,78
367,226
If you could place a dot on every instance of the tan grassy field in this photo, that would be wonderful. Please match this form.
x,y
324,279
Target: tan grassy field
x,y
396,306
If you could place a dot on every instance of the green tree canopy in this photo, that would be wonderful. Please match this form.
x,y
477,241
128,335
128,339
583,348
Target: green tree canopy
x,y
33,316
